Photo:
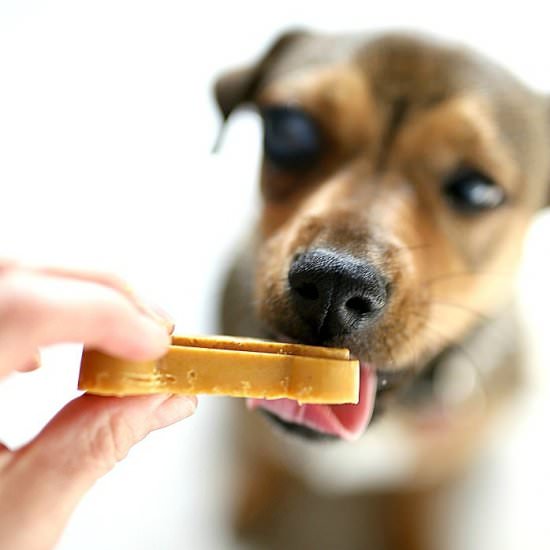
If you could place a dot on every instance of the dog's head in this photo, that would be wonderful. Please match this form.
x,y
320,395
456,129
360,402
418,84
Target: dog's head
x,y
398,179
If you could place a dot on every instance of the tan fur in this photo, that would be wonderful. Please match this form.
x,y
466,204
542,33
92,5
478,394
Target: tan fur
x,y
398,115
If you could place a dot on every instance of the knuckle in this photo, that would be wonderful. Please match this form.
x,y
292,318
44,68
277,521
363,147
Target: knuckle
x,y
111,442
122,435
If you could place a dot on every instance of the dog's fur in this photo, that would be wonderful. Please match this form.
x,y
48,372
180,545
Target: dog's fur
x,y
398,114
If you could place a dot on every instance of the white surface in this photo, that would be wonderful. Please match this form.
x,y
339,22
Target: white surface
x,y
105,128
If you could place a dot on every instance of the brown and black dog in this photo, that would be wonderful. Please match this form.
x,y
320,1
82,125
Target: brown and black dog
x,y
399,177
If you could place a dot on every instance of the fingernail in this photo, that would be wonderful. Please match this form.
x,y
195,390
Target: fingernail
x,y
159,315
164,317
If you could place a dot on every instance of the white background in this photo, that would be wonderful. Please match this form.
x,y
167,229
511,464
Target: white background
x,y
106,123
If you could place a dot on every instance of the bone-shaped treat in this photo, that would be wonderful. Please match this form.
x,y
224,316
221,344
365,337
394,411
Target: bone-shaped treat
x,y
222,365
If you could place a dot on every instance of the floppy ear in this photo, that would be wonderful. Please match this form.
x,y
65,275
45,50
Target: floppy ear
x,y
238,86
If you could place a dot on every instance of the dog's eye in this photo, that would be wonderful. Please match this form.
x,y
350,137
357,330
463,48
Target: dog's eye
x,y
292,140
469,191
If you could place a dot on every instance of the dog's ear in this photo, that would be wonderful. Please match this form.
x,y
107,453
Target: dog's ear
x,y
238,86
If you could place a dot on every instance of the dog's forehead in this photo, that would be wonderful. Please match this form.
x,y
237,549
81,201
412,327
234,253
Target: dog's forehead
x,y
414,69
419,68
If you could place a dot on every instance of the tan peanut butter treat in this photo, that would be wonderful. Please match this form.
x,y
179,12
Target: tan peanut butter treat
x,y
229,366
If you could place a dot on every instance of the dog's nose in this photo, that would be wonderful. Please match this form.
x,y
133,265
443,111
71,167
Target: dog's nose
x,y
334,293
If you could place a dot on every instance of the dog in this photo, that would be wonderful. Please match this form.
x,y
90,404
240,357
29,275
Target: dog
x,y
399,176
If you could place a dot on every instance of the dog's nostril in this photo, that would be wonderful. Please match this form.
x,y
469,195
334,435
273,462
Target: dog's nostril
x,y
358,305
308,291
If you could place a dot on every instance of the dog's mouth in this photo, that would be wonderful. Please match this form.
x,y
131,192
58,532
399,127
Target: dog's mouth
x,y
347,422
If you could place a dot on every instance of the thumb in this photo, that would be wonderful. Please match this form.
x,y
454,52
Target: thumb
x,y
41,483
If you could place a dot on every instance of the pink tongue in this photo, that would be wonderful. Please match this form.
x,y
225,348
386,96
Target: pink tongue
x,y
345,421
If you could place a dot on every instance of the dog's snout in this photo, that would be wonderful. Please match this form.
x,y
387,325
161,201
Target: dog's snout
x,y
335,293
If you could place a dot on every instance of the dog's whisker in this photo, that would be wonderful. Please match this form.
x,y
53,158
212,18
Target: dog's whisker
x,y
412,247
388,350
486,318
466,274
464,308
408,342
490,321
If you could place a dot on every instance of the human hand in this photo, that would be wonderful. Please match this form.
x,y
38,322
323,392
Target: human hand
x,y
41,483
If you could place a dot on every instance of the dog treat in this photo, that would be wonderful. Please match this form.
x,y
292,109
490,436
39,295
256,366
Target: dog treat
x,y
261,346
229,366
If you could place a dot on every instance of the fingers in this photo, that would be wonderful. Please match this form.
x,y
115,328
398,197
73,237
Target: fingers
x,y
45,480
115,282
38,309
89,435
